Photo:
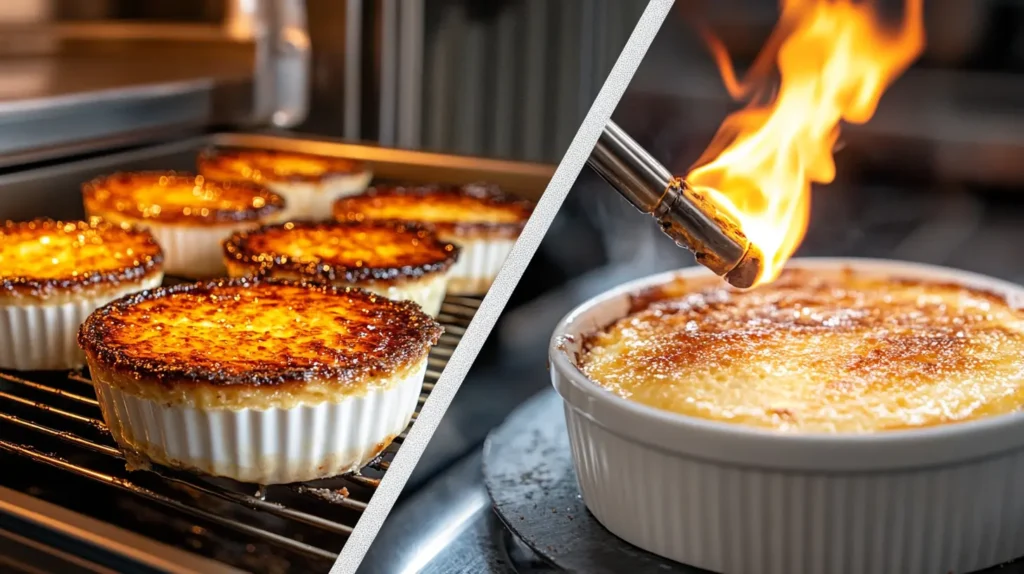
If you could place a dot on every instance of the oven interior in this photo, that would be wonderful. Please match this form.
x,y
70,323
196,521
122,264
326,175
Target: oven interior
x,y
57,455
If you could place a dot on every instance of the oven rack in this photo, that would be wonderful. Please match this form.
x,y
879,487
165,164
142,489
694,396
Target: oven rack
x,y
60,408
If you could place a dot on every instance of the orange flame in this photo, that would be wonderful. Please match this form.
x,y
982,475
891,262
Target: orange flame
x,y
835,59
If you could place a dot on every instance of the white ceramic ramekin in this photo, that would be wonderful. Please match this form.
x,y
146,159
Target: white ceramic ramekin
x,y
734,499
44,336
270,446
428,291
479,262
194,250
315,199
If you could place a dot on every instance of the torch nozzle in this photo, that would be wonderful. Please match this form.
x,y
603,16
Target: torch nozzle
x,y
684,214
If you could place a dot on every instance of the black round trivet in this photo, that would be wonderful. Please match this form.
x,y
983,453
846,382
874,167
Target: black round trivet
x,y
529,475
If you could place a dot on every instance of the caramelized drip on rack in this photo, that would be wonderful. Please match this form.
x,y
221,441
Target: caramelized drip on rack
x,y
257,332
173,197
463,210
350,252
272,165
815,354
41,256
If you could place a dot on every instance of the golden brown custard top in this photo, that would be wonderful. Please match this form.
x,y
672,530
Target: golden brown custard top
x,y
809,353
272,165
40,256
174,197
463,210
352,252
257,332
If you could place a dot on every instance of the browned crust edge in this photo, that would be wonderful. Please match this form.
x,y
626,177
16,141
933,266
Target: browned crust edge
x,y
92,337
212,160
488,193
43,288
236,249
273,204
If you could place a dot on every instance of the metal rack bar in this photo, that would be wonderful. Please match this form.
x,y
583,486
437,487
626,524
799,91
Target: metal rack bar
x,y
47,389
230,496
45,407
117,550
128,486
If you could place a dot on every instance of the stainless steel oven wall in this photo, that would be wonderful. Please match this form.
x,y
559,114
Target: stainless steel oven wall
x,y
498,78
513,78
277,28
91,75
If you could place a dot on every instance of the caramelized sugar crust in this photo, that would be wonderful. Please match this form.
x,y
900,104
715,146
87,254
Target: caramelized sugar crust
x,y
43,257
353,252
174,197
469,210
272,165
255,334
850,353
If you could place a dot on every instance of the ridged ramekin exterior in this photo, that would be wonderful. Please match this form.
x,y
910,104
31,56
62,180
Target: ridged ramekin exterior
x,y
44,337
315,200
194,251
427,292
269,446
738,520
729,499
479,262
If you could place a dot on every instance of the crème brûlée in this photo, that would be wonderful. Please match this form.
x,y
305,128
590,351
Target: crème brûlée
x,y
54,273
309,183
484,221
189,215
398,261
844,353
258,379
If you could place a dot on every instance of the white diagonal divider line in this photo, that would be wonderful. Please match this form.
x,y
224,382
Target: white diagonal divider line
x,y
496,299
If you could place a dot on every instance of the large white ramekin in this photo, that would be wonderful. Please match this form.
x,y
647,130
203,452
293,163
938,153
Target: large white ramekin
x,y
734,499
480,260
269,446
44,336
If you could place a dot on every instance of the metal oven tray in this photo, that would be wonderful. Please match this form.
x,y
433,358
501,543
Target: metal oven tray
x,y
54,191
67,504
